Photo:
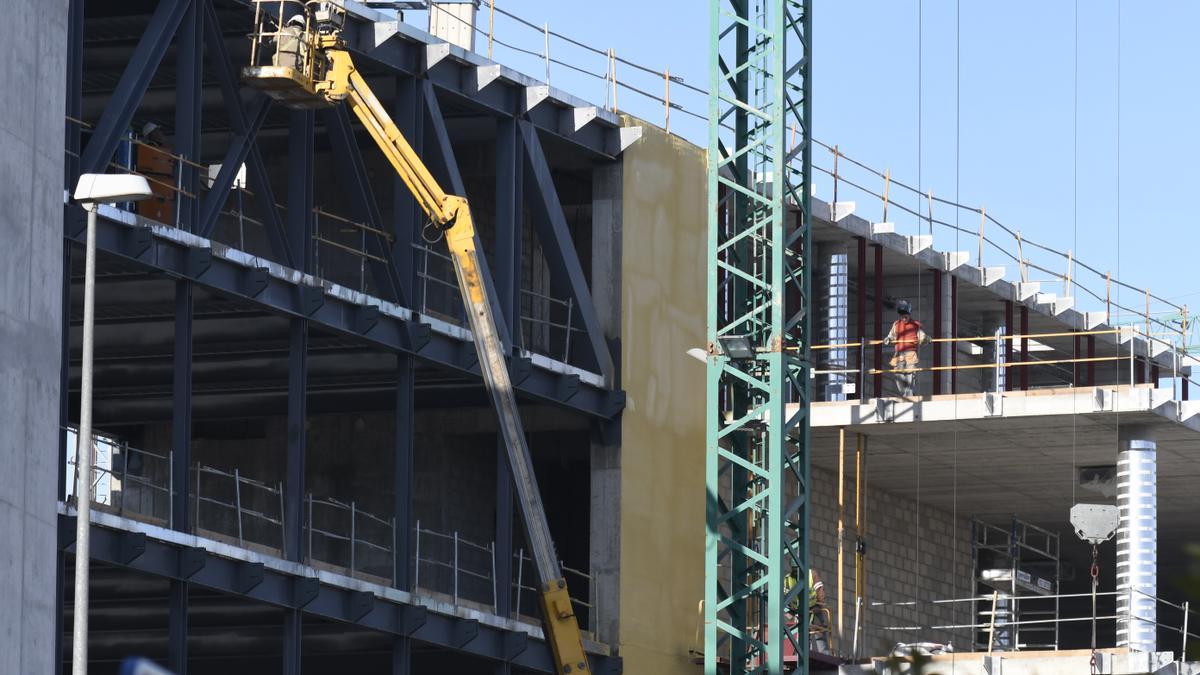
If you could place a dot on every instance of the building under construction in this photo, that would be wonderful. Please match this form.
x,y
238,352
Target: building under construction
x,y
298,460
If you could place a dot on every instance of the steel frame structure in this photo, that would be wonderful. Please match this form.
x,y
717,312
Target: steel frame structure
x,y
523,111
759,290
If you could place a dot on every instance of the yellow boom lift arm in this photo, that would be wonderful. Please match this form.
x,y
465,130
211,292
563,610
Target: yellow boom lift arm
x,y
320,73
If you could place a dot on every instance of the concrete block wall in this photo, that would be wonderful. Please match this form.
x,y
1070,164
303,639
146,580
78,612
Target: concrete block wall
x,y
912,552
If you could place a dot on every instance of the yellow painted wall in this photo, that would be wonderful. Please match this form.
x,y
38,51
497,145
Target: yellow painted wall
x,y
663,291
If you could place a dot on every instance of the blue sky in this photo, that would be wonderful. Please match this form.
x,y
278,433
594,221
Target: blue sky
x,y
1017,111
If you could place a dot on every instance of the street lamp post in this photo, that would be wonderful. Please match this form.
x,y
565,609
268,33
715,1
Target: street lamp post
x,y
91,191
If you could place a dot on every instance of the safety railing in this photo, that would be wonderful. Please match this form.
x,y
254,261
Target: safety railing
x,y
230,504
1142,361
542,51
547,323
124,479
455,566
577,580
992,242
343,250
998,622
338,534
359,541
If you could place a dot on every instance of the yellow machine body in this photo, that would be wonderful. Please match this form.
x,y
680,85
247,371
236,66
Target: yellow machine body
x,y
318,72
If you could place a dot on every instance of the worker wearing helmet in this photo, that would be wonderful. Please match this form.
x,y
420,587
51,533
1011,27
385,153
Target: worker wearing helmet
x,y
291,49
907,335
818,626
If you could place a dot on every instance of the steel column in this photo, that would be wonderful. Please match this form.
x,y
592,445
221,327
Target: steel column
x,y
937,331
301,166
954,334
299,235
177,627
132,85
293,635
297,405
860,310
1024,347
402,485
1008,345
181,411
181,452
878,318
1075,368
758,337
189,84
1091,366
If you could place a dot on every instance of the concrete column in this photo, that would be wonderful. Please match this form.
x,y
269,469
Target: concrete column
x,y
1137,540
31,190
605,506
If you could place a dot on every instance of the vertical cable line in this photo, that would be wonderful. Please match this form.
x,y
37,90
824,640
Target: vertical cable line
x,y
920,269
1075,249
954,314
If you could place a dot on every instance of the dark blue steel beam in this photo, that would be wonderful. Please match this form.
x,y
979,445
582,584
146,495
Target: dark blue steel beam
x,y
356,182
402,485
177,627
301,167
558,247
181,444
132,86
441,161
312,597
243,148
293,624
406,223
181,401
293,490
189,82
290,297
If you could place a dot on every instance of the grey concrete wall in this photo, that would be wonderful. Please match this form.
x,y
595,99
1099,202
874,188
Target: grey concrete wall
x,y
31,170
605,545
913,551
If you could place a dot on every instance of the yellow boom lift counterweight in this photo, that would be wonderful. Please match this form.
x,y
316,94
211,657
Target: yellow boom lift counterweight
x,y
298,57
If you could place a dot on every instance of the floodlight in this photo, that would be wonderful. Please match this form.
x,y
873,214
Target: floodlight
x,y
736,346
106,188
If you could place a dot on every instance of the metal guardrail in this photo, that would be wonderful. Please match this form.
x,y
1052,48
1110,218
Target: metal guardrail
x,y
339,534
992,626
540,332
1001,367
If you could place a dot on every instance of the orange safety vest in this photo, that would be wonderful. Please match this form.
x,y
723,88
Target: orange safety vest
x,y
907,335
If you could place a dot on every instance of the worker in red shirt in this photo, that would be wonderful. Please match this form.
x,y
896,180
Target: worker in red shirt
x,y
907,335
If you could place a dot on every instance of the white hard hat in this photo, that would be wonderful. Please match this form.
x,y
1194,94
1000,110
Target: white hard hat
x,y
149,128
296,19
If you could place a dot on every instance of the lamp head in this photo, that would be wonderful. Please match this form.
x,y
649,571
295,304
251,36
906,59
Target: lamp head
x,y
106,188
